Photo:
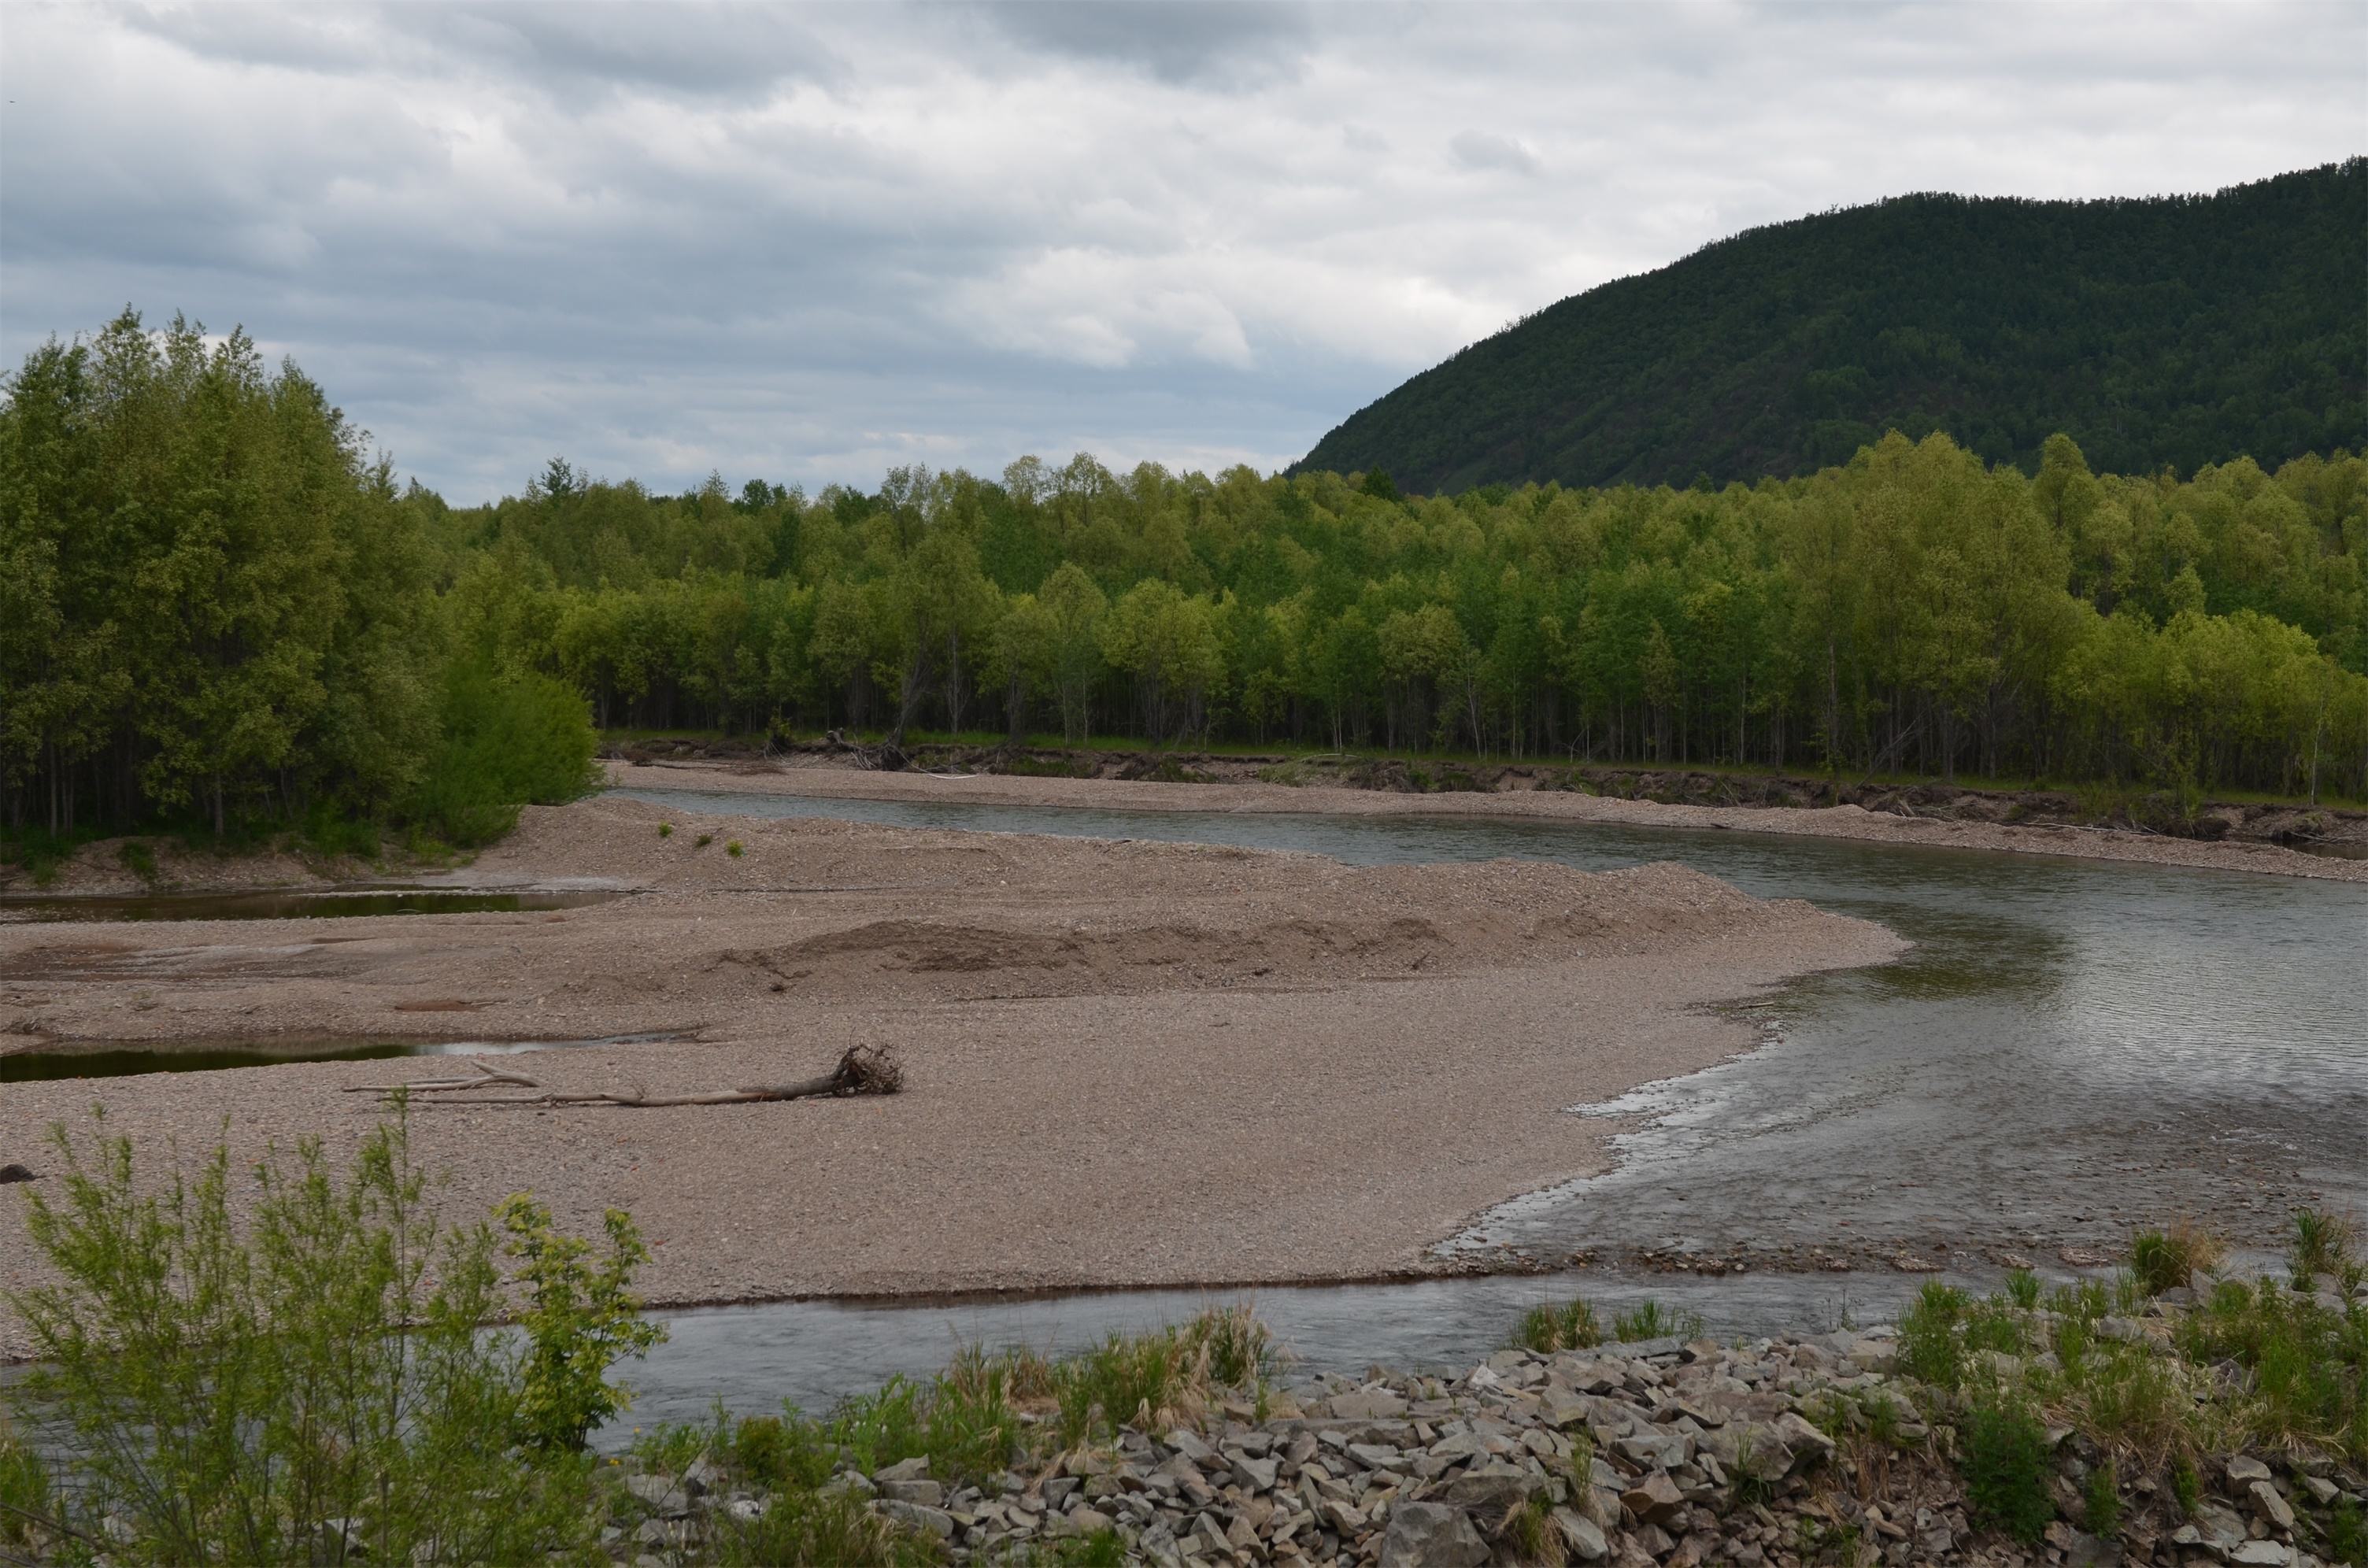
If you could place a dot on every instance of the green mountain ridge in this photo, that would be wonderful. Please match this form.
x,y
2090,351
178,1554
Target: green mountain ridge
x,y
2164,331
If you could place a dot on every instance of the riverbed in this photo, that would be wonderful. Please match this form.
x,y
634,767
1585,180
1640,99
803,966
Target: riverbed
x,y
2074,1048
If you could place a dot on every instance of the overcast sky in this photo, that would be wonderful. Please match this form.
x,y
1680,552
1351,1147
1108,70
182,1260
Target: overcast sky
x,y
808,243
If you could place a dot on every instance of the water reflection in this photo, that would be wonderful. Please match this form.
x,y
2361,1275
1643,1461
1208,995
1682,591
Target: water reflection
x,y
326,905
118,1058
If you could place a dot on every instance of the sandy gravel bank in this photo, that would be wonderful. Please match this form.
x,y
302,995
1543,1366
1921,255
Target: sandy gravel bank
x,y
1131,1063
1836,822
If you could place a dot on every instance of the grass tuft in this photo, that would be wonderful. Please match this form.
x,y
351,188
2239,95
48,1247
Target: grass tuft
x,y
1546,1328
1654,1321
2003,1451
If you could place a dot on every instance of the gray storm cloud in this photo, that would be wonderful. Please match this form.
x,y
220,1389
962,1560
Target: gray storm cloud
x,y
807,242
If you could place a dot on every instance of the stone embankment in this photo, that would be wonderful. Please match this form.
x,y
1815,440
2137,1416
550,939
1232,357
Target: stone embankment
x,y
1784,1453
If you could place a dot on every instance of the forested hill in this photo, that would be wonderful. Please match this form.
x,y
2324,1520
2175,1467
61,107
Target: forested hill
x,y
2174,330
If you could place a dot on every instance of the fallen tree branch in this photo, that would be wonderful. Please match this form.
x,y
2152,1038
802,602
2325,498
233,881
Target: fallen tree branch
x,y
863,1070
486,1076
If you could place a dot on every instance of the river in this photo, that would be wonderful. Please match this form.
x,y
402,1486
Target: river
x,y
2072,1049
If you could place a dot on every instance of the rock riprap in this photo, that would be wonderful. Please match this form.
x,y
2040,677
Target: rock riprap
x,y
1775,1453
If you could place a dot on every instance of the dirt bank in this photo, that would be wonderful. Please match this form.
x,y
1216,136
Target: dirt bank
x,y
1897,818
1131,1063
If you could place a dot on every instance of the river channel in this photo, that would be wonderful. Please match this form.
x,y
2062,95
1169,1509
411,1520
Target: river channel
x,y
2073,1048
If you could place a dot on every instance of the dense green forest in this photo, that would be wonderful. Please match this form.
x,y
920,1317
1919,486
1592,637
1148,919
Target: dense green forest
x,y
215,610
218,610
2179,331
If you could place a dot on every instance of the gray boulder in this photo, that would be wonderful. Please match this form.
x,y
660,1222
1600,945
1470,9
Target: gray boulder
x,y
1432,1535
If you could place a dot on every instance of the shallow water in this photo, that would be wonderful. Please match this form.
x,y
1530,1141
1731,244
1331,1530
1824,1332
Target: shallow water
x,y
329,906
2072,1049
120,1059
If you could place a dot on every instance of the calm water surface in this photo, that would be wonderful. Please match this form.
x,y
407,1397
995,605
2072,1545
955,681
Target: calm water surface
x,y
2073,1048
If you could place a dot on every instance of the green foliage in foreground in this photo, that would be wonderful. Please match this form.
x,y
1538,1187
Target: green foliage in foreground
x,y
2304,1364
986,1411
2004,1453
303,1377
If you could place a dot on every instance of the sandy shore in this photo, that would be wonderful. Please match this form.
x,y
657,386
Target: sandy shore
x,y
842,782
1130,1064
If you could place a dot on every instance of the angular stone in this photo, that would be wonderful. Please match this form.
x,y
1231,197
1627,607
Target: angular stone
x,y
1656,1449
2244,1469
1057,1489
2273,1509
913,1469
1432,1535
1581,1538
1190,1447
660,1495
1652,1500
1804,1439
2222,1527
2263,1554
928,1494
1376,1405
1492,1492
936,1521
1255,1475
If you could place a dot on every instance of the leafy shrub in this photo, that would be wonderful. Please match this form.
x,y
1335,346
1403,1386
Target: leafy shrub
x,y
509,739
24,1488
1931,1347
227,1398
2002,1452
580,1317
776,1453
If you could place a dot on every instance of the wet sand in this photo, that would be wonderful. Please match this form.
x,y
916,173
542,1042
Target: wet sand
x,y
1129,1064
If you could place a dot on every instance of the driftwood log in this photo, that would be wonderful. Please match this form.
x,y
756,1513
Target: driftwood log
x,y
862,1070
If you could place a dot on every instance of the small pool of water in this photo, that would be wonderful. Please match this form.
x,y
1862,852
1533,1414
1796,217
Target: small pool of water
x,y
333,904
112,1059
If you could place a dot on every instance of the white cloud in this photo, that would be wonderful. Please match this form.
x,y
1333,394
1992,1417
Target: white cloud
x,y
804,243
1479,150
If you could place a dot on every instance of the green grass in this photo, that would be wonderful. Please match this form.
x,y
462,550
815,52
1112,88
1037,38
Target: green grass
x,y
1546,1328
2308,1364
2003,1452
1654,1321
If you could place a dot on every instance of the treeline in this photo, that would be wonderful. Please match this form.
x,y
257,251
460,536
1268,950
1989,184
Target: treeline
x,y
217,611
1911,610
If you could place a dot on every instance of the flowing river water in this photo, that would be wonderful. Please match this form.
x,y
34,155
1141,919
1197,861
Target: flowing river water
x,y
2073,1048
